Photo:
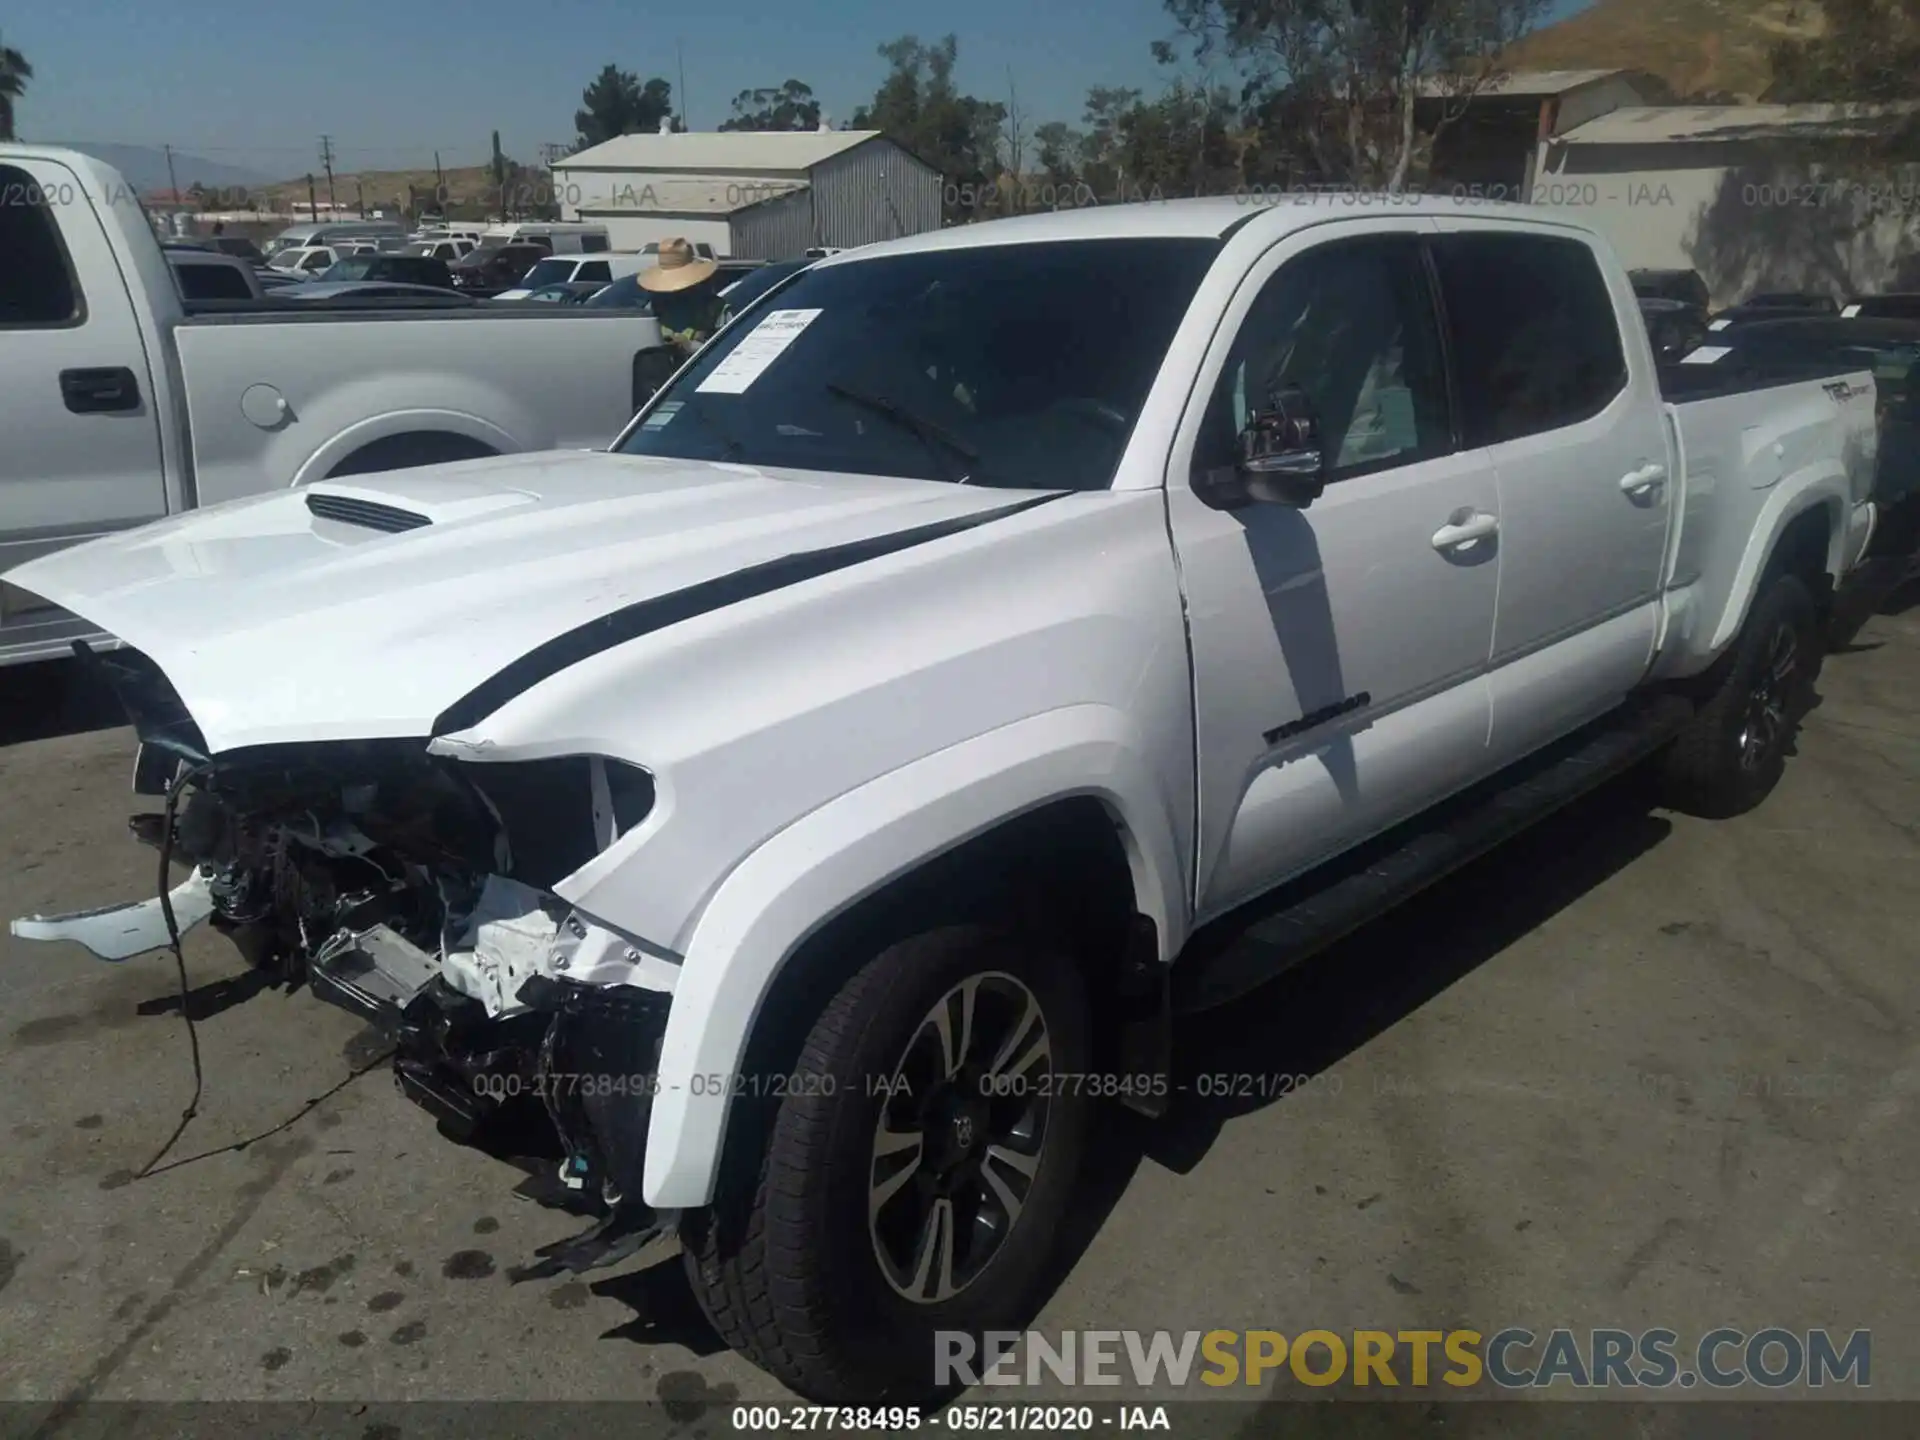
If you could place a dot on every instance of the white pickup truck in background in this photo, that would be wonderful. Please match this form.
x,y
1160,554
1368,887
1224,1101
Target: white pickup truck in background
x,y
826,799
119,403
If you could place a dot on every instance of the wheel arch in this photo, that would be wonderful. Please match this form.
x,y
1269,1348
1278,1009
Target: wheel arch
x,y
458,436
1801,530
1064,795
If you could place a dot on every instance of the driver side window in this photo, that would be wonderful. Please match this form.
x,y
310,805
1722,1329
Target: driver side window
x,y
1352,324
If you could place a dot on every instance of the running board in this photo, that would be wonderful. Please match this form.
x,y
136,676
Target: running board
x,y
1244,950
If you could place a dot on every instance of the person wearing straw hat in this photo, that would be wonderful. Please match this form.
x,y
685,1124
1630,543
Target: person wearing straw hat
x,y
686,301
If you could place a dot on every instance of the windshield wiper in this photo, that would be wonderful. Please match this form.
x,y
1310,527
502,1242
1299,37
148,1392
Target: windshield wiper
x,y
930,433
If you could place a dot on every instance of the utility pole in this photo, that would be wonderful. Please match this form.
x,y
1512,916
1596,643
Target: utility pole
x,y
500,173
172,183
326,160
313,204
360,196
681,56
439,185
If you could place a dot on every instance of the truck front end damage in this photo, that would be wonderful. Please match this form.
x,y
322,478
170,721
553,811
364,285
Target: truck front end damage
x,y
416,891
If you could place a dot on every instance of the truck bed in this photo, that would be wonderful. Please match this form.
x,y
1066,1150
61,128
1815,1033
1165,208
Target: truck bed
x,y
1737,437
280,389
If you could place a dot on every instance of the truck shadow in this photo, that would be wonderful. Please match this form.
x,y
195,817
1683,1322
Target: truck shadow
x,y
51,698
1312,1017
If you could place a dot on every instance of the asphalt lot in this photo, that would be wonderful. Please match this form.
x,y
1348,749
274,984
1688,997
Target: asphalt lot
x,y
1636,1070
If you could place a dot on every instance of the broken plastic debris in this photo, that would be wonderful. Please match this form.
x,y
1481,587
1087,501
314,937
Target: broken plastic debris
x,y
119,932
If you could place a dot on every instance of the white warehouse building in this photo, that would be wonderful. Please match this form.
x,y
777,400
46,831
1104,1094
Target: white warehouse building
x,y
767,195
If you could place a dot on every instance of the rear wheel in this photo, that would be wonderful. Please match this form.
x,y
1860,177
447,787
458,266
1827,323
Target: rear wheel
x,y
915,1173
1734,750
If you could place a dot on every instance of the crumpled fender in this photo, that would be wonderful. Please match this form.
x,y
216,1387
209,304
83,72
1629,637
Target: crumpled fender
x,y
849,848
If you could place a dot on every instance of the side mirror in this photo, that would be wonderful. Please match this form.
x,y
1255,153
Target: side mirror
x,y
652,368
1280,460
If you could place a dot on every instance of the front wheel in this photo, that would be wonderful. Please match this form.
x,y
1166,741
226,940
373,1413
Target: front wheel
x,y
1734,750
918,1168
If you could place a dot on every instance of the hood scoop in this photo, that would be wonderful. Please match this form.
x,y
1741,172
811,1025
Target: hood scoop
x,y
368,514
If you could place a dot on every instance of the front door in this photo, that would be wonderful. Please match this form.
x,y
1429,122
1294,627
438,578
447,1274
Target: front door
x,y
79,428
1339,650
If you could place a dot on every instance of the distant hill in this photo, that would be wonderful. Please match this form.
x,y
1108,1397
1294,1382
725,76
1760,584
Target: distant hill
x,y
470,191
145,167
1696,46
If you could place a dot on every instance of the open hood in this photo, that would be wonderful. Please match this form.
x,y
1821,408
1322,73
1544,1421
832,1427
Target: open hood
x,y
365,608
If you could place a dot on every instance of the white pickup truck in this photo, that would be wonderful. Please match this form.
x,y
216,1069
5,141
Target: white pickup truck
x,y
824,800
119,403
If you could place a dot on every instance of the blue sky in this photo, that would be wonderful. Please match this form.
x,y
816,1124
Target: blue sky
x,y
255,84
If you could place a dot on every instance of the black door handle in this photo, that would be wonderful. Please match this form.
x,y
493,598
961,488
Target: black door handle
x,y
99,391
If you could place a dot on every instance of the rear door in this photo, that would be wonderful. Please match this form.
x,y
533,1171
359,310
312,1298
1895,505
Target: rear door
x,y
1339,651
79,430
1570,415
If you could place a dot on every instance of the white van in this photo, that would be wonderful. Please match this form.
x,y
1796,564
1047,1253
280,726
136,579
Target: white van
x,y
335,232
562,237
564,269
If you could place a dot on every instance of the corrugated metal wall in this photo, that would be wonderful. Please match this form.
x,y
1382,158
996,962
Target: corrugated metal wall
x,y
874,191
774,229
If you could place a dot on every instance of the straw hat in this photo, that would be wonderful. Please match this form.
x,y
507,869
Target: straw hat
x,y
678,268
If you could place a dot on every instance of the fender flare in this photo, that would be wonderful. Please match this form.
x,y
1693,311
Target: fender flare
x,y
849,848
362,433
1793,497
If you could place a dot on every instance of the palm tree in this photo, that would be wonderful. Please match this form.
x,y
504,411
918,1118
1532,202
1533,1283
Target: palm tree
x,y
14,74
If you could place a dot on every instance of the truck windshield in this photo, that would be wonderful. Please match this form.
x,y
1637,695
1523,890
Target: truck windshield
x,y
1018,366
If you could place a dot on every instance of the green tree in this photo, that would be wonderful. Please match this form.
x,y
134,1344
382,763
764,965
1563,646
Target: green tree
x,y
1137,149
1057,151
788,107
919,106
617,103
14,74
1869,51
1339,78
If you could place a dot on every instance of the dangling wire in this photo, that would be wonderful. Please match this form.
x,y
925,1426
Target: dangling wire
x,y
174,792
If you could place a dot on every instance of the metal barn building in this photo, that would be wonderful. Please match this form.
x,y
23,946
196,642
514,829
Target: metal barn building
x,y
768,195
1754,197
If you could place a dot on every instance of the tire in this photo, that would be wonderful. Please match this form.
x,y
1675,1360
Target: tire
x,y
787,1264
1734,750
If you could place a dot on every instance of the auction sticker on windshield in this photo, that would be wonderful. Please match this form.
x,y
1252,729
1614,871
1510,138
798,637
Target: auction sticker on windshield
x,y
757,351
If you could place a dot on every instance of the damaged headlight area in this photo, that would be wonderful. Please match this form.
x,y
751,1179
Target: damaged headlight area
x,y
416,890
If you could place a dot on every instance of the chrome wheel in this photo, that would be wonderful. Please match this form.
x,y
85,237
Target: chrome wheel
x,y
962,1124
1764,722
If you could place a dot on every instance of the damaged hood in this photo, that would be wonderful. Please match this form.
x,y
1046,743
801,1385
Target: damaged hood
x,y
365,608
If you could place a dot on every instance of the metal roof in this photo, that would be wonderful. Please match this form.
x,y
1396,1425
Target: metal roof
x,y
1542,83
1693,124
696,195
717,150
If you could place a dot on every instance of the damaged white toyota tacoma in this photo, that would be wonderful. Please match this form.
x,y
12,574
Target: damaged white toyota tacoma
x,y
824,799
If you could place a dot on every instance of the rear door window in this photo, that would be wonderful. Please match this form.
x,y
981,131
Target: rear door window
x,y
38,288
594,270
1536,342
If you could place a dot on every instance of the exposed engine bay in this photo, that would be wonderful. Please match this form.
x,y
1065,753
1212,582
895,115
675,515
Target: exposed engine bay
x,y
416,891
